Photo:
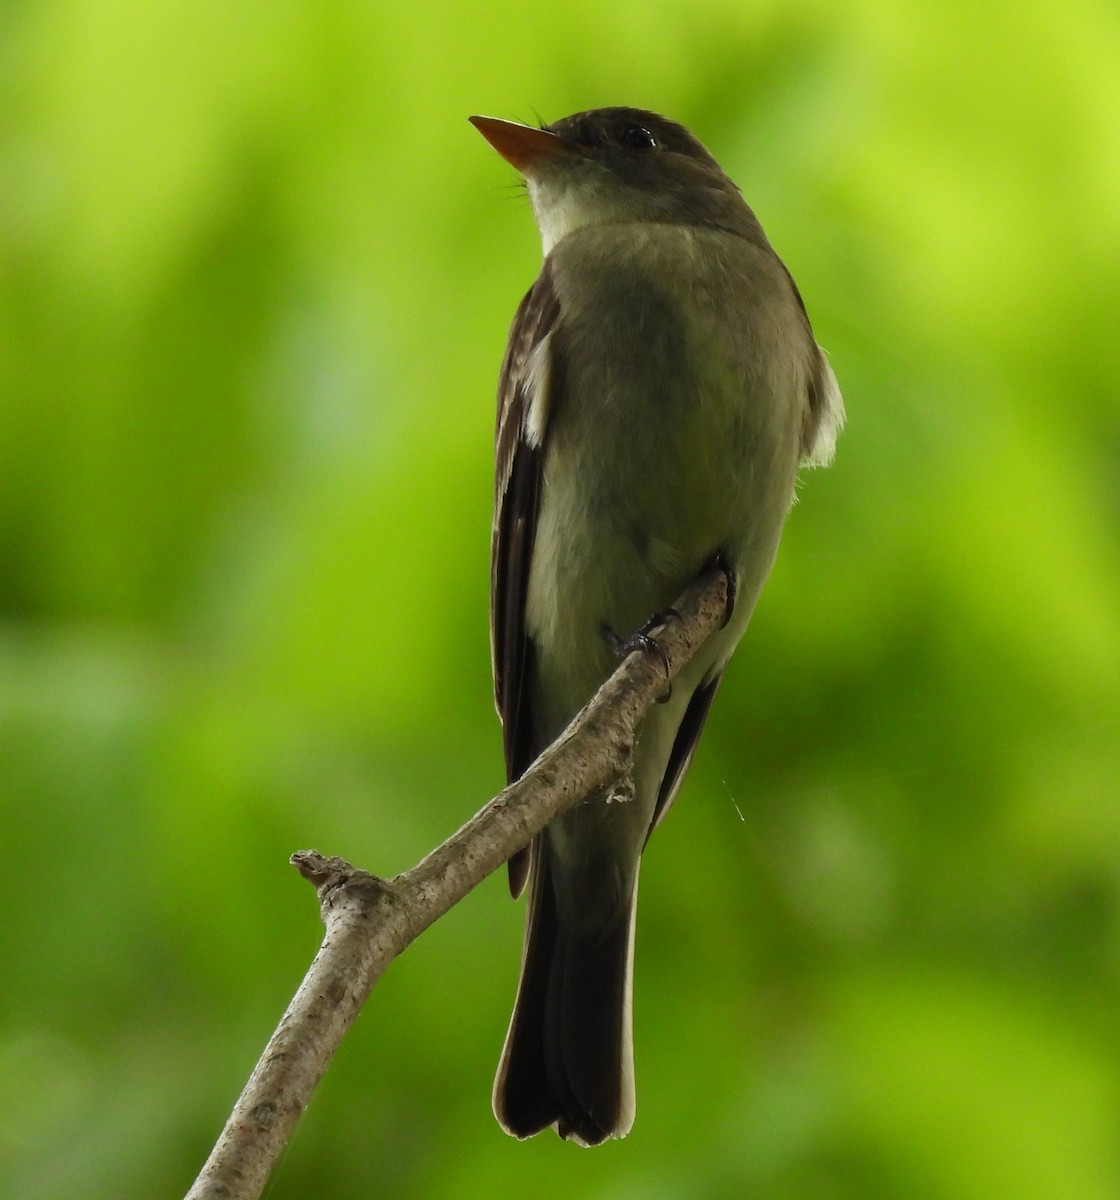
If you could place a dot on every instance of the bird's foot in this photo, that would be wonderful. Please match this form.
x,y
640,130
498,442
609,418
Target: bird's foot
x,y
642,639
719,561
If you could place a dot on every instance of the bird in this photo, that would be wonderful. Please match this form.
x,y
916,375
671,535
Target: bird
x,y
660,389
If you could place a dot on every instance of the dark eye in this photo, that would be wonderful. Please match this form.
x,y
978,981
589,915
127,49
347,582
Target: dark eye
x,y
638,138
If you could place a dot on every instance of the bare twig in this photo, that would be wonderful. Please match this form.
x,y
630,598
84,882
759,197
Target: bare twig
x,y
369,921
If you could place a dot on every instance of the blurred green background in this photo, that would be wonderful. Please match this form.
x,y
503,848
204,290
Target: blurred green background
x,y
256,272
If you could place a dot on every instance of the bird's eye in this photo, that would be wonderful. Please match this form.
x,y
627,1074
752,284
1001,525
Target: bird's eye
x,y
638,138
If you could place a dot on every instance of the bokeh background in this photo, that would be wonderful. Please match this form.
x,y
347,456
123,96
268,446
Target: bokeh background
x,y
256,272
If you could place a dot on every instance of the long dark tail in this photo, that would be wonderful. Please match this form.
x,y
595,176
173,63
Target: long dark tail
x,y
568,1060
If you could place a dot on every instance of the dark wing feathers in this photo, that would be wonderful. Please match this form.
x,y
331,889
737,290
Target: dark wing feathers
x,y
684,746
517,493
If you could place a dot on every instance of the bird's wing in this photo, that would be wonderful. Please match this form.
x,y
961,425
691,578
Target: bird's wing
x,y
684,746
524,394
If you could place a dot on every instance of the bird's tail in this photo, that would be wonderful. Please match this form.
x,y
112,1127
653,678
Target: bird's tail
x,y
568,1060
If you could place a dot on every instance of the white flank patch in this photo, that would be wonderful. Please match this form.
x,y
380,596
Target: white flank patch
x,y
823,449
538,379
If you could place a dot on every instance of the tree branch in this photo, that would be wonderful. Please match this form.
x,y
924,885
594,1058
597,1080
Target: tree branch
x,y
369,921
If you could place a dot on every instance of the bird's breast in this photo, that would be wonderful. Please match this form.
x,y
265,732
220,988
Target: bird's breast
x,y
678,378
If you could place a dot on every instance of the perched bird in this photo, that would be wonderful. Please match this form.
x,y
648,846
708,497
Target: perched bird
x,y
660,388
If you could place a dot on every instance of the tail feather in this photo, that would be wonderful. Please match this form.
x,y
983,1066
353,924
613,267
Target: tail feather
x,y
568,1060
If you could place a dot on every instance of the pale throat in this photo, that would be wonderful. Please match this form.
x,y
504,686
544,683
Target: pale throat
x,y
563,210
563,207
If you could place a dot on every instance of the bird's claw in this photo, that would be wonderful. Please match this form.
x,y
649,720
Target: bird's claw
x,y
720,562
642,639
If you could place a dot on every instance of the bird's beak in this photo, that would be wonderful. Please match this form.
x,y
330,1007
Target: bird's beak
x,y
521,146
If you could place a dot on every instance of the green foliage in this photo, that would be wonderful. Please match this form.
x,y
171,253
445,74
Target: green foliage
x,y
255,276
